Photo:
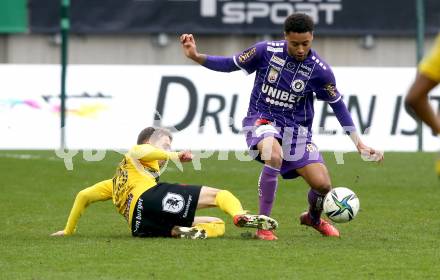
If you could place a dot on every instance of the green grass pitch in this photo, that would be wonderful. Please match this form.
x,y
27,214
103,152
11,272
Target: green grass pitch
x,y
396,235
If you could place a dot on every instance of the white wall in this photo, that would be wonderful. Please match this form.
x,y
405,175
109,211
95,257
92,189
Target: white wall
x,y
108,105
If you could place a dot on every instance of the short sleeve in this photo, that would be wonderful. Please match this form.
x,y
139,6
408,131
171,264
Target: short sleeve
x,y
430,65
249,60
326,87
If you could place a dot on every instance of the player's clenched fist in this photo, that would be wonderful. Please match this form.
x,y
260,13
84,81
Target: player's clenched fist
x,y
190,49
187,38
185,156
189,45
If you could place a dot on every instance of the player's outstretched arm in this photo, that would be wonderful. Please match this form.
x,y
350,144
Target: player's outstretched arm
x,y
216,63
344,118
190,49
366,152
147,152
98,192
328,92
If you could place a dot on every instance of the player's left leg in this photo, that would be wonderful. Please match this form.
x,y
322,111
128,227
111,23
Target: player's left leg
x,y
226,201
317,177
213,226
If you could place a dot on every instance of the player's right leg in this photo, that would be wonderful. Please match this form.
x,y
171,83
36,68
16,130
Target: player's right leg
x,y
262,136
226,201
270,152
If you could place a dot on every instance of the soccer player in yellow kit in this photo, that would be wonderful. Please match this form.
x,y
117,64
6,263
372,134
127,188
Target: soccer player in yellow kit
x,y
428,76
155,209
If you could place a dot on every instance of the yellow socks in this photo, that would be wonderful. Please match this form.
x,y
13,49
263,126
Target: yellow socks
x,y
226,201
437,166
213,229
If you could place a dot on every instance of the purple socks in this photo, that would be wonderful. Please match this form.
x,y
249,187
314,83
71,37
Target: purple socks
x,y
267,187
315,205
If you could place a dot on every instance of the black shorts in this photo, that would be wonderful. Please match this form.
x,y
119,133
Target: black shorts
x,y
162,207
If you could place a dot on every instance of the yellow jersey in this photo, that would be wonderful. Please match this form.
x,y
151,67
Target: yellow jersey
x,y
430,65
137,172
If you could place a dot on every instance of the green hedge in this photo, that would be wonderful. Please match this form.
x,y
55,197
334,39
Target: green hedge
x,y
13,16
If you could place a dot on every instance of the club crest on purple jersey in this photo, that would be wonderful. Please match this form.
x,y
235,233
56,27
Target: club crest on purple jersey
x,y
273,75
298,85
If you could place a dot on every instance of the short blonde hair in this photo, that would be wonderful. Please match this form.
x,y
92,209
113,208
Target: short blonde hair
x,y
153,132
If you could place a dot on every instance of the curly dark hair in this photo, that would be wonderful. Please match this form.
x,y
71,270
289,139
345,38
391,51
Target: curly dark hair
x,y
298,23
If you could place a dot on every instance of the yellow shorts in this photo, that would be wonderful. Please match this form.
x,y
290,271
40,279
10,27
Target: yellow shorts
x,y
430,65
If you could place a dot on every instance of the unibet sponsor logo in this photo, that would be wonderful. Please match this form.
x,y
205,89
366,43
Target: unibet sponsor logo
x,y
279,97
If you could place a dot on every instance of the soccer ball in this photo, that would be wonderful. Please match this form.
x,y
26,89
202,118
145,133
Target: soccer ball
x,y
341,205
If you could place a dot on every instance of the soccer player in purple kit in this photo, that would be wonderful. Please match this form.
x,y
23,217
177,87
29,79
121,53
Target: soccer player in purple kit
x,y
289,75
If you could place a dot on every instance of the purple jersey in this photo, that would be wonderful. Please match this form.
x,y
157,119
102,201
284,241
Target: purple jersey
x,y
284,88
281,103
